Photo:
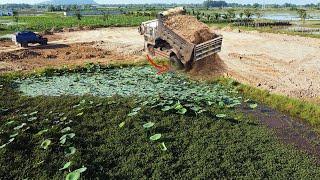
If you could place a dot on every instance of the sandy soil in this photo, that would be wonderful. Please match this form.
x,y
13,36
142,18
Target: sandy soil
x,y
283,64
280,63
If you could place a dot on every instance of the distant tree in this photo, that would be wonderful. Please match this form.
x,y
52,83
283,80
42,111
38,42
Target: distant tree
x,y
248,13
302,14
231,14
105,16
78,14
50,8
216,16
241,14
211,3
15,15
258,14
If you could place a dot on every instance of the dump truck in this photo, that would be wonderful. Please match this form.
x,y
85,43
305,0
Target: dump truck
x,y
162,40
23,38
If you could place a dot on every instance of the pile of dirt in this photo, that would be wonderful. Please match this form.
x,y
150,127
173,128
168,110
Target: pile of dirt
x,y
58,52
208,68
17,55
6,43
190,28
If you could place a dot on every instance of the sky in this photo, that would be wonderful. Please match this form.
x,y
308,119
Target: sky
x,y
173,1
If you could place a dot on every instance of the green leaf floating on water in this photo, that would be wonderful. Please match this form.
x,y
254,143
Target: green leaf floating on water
x,y
155,137
80,114
33,113
166,108
148,125
2,146
132,114
65,130
74,175
182,111
65,166
163,146
10,122
42,132
122,124
14,135
64,138
19,127
32,119
221,115
253,106
46,143
69,151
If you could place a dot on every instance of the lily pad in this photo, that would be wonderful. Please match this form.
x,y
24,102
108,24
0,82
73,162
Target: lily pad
x,y
148,125
20,126
46,143
221,115
166,108
182,111
122,124
42,132
163,146
155,137
75,175
132,114
69,151
65,130
33,113
10,122
32,119
14,135
65,166
80,114
253,106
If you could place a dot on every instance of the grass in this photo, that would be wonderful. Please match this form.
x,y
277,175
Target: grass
x,y
199,146
47,22
306,110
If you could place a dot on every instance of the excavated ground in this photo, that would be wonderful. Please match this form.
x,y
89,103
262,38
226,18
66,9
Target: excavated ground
x,y
279,63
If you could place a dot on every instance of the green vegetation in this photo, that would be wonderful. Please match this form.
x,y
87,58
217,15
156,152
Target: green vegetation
x,y
303,109
41,23
94,137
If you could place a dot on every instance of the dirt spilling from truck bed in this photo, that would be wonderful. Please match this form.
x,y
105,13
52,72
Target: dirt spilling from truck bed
x,y
190,28
208,68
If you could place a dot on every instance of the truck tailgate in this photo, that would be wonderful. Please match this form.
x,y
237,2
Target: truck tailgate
x,y
207,48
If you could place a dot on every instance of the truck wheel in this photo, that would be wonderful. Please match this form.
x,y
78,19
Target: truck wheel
x,y
24,45
150,49
176,62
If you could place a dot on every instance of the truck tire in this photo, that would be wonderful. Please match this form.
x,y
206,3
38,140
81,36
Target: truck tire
x,y
175,61
150,49
24,45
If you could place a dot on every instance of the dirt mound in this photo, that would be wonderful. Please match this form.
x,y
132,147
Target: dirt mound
x,y
59,52
190,28
208,68
6,43
17,55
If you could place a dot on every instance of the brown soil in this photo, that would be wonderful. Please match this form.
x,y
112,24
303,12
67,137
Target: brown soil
x,y
4,43
208,68
56,55
190,28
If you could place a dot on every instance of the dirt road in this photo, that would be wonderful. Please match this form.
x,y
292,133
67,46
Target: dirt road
x,y
283,64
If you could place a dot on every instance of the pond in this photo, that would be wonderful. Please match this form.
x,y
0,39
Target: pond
x,y
289,16
142,82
